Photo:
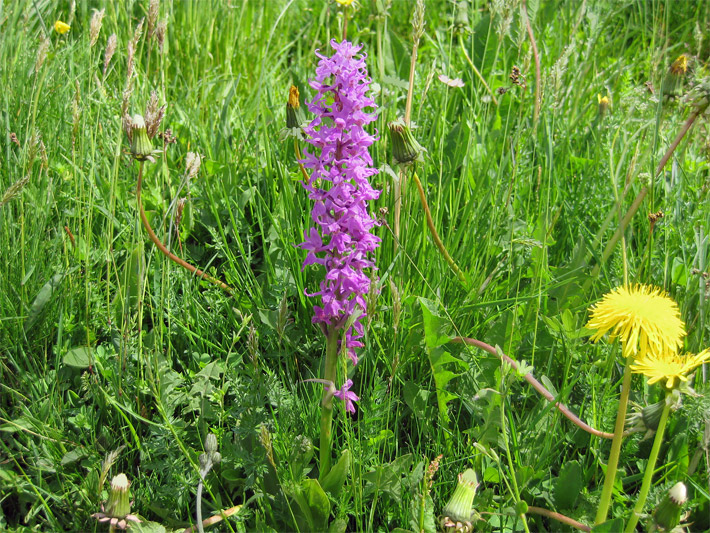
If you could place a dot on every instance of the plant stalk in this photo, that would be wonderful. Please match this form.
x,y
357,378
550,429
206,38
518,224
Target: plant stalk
x,y
435,235
153,237
613,461
326,417
650,467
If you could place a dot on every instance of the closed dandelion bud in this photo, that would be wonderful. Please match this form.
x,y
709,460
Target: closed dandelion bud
x,y
119,505
603,105
460,506
294,114
647,418
461,21
667,514
211,443
141,146
405,147
204,462
216,458
674,77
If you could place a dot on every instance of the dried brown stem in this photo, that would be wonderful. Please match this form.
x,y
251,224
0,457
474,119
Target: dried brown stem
x,y
216,518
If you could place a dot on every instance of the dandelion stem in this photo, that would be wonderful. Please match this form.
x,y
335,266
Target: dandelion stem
x,y
559,517
434,234
153,237
613,461
648,474
539,387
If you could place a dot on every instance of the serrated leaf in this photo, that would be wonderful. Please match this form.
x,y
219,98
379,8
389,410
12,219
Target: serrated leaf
x,y
568,485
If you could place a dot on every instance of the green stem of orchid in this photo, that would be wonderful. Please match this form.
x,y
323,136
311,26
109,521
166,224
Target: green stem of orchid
x,y
648,474
613,462
326,416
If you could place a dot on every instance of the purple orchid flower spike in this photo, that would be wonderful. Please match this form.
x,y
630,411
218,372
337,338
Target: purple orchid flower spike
x,y
340,164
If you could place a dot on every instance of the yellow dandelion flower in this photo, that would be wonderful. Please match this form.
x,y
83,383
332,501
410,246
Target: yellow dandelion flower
x,y
344,2
643,317
669,367
61,27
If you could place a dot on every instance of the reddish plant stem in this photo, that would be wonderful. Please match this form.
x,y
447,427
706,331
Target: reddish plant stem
x,y
539,387
559,517
686,126
153,237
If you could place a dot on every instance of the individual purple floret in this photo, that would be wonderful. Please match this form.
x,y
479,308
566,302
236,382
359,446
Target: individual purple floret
x,y
340,166
347,396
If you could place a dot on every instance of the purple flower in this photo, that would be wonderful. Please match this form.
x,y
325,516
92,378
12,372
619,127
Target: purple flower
x,y
340,165
347,396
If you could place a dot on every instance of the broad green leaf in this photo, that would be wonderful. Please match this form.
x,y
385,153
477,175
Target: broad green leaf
x,y
610,526
79,357
42,299
568,485
434,324
335,480
318,503
416,398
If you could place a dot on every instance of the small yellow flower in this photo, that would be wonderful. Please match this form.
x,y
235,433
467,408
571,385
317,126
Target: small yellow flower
x,y
669,367
604,104
61,27
680,66
643,317
344,2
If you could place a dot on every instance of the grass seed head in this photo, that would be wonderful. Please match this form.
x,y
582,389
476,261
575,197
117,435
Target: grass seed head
x,y
95,26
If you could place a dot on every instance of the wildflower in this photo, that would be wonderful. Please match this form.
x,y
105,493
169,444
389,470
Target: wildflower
x,y
294,113
405,147
345,3
340,158
347,396
118,507
667,514
643,317
456,82
61,27
603,104
459,510
141,145
669,367
673,81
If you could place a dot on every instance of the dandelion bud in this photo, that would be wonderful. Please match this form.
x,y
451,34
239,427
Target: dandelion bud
x,y
119,506
603,105
216,458
673,81
461,22
211,443
141,146
294,113
405,147
646,419
667,514
205,462
460,506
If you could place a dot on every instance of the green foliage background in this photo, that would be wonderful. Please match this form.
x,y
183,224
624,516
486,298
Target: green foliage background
x,y
105,345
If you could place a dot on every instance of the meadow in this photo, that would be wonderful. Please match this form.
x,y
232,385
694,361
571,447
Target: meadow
x,y
525,275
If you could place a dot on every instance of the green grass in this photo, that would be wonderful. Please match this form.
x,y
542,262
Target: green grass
x,y
106,345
